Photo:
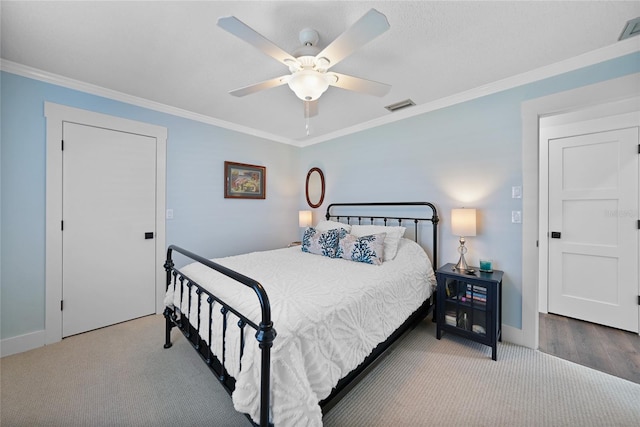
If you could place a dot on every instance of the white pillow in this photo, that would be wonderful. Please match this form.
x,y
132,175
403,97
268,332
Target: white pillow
x,y
324,226
391,240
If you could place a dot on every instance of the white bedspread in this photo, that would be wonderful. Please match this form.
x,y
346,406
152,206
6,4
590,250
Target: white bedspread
x,y
329,314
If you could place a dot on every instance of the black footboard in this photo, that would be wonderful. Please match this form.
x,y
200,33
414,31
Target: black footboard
x,y
265,332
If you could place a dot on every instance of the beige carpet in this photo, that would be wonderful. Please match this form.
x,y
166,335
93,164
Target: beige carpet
x,y
121,376
454,382
116,376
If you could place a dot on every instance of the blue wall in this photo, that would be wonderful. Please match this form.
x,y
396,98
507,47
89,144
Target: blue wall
x,y
204,221
468,155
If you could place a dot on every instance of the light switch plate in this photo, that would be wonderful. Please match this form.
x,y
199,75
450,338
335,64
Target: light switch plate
x,y
169,214
516,217
516,192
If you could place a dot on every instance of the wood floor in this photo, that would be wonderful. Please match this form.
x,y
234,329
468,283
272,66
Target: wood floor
x,y
606,349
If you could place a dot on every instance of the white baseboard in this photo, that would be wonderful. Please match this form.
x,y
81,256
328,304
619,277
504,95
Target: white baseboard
x,y
513,335
21,343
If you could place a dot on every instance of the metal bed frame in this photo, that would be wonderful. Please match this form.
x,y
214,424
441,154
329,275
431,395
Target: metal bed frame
x,y
265,333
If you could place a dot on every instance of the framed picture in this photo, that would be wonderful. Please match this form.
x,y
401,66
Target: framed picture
x,y
243,181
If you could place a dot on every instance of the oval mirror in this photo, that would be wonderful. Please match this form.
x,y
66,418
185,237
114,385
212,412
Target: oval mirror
x,y
315,187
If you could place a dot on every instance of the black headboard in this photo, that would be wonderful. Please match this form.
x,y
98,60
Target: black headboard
x,y
349,217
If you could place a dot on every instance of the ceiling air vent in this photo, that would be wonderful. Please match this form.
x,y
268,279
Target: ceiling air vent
x,y
631,29
400,105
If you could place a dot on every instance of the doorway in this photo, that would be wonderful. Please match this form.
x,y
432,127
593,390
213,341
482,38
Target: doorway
x,y
534,205
59,116
590,237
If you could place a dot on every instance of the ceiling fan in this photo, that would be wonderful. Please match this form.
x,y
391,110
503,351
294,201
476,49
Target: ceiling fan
x,y
309,66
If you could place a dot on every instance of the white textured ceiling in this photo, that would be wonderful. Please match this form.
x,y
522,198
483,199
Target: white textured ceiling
x,y
173,53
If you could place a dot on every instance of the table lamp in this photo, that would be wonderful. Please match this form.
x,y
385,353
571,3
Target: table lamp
x,y
463,224
305,218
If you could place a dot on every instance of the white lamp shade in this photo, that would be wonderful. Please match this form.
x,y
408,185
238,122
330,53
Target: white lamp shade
x,y
463,222
305,218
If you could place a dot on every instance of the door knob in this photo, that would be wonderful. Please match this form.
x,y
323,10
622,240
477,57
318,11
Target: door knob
x,y
555,234
148,235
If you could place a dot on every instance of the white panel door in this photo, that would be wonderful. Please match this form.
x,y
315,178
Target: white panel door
x,y
593,204
109,203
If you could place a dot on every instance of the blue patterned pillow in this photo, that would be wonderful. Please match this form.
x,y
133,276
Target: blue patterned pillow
x,y
367,249
325,243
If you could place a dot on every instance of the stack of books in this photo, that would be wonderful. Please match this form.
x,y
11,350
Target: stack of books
x,y
450,318
476,293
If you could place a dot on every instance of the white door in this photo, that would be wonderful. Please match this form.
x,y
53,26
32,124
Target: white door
x,y
109,203
593,227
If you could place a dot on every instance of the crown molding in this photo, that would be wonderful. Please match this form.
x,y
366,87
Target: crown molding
x,y
55,79
613,51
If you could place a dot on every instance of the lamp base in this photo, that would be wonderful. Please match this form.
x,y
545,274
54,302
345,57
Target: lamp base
x,y
462,264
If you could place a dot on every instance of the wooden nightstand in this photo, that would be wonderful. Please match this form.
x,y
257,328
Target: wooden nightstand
x,y
470,305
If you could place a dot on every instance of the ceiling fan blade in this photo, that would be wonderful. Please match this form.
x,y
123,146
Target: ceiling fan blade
x,y
357,84
367,28
241,30
310,108
267,84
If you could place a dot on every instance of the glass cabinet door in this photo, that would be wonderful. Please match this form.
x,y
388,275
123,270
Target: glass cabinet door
x,y
465,306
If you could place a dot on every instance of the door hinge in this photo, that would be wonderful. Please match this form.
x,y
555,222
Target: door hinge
x,y
639,224
62,145
638,299
61,225
61,304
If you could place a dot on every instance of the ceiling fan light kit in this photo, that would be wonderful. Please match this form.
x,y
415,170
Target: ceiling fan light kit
x,y
308,65
308,84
